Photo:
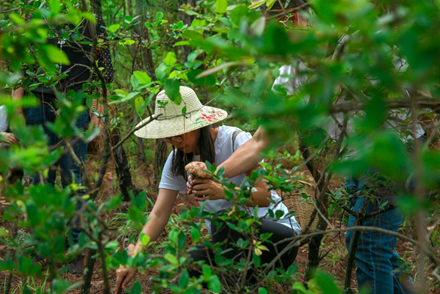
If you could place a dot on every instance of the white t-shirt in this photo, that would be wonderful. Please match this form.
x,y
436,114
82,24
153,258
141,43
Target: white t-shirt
x,y
3,122
399,120
3,119
223,150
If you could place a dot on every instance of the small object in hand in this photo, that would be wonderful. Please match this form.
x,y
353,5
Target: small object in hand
x,y
196,168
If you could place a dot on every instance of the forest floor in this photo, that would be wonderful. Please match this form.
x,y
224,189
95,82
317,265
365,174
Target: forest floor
x,y
333,246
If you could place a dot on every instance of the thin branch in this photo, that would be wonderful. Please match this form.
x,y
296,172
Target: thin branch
x,y
10,10
422,102
152,118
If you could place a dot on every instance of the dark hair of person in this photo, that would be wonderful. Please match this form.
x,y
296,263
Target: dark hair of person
x,y
207,153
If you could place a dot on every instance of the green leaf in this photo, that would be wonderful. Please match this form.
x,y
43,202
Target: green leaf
x,y
45,62
145,239
137,85
170,59
181,240
184,279
220,6
300,288
193,55
121,93
55,54
159,16
262,291
129,42
143,77
113,28
207,272
138,102
195,235
326,283
375,114
171,259
112,245
33,212
181,43
3,232
214,284
161,71
389,156
192,12
55,7
208,81
146,103
129,96
172,90
137,288
113,203
238,13
16,18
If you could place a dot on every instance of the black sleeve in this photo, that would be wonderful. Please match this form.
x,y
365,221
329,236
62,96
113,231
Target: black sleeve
x,y
103,53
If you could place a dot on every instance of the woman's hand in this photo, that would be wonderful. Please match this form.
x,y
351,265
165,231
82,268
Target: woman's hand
x,y
125,274
207,189
9,137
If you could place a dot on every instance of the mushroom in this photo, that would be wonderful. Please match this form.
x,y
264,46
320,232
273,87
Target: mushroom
x,y
196,168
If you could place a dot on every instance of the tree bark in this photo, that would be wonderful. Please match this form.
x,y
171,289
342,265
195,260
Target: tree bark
x,y
140,151
122,168
96,7
130,7
187,19
314,259
90,263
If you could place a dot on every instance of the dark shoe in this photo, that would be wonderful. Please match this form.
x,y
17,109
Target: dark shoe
x,y
77,266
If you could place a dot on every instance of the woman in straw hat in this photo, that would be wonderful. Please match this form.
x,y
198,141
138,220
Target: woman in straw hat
x,y
194,139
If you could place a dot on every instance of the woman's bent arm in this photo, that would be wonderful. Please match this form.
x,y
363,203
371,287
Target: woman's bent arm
x,y
247,156
159,216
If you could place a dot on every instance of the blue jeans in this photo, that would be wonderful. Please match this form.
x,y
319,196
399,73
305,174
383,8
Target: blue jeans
x,y
42,114
376,261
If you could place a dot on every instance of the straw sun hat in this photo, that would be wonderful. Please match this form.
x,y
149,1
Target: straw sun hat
x,y
171,121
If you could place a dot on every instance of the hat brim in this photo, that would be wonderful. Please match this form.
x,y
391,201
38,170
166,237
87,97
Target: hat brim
x,y
164,127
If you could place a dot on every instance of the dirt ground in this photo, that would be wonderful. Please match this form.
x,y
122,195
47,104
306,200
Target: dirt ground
x,y
333,248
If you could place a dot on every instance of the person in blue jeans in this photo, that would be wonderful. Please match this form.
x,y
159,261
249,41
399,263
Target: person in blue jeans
x,y
377,263
76,76
43,114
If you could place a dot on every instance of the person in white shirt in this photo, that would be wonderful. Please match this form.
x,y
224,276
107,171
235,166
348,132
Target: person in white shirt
x,y
6,137
194,139
377,263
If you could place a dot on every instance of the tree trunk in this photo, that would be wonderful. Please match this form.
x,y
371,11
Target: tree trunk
x,y
187,19
130,7
88,272
147,55
122,168
140,151
314,258
322,204
96,7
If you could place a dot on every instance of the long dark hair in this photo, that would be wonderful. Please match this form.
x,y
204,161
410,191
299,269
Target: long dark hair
x,y
207,153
